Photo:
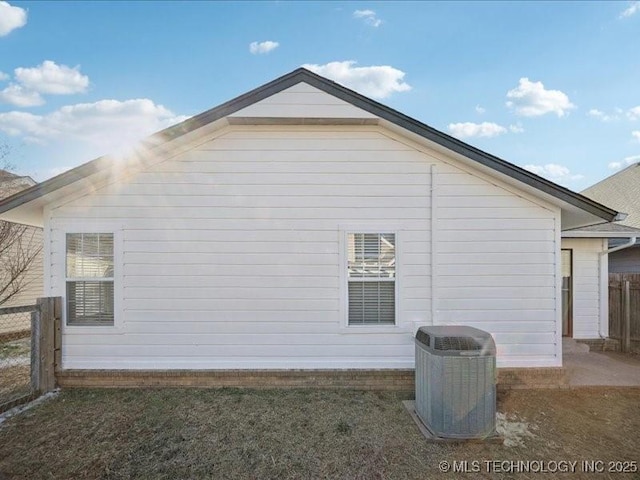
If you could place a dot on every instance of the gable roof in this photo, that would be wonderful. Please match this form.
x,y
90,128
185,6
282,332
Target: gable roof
x,y
622,191
158,140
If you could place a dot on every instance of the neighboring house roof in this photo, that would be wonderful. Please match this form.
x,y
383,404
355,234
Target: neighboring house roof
x,y
10,183
603,230
159,142
622,191
4,175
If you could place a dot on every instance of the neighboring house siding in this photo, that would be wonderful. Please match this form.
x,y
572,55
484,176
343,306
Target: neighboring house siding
x,y
586,285
625,261
232,255
32,279
32,240
32,288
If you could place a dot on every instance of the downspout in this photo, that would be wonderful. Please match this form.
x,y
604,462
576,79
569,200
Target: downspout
x,y
604,255
434,216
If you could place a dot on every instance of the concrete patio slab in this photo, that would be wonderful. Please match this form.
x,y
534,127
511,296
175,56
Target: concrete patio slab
x,y
602,369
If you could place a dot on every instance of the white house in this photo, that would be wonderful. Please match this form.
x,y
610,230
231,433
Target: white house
x,y
305,226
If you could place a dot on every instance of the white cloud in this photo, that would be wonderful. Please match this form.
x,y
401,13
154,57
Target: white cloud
x,y
554,172
634,113
108,125
369,17
47,78
377,81
636,134
632,9
484,129
257,48
531,99
11,18
20,97
480,110
3,77
600,115
469,129
51,78
626,162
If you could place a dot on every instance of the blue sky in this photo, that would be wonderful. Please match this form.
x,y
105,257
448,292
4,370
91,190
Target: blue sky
x,y
552,86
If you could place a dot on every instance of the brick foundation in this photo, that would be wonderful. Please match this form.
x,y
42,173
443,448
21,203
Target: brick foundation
x,y
383,379
516,378
351,379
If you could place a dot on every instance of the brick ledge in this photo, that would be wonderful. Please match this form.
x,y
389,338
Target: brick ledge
x,y
365,379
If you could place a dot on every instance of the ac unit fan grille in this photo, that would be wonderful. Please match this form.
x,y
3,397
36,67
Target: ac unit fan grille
x,y
456,343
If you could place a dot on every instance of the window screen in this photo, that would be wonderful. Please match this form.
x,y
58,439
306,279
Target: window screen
x,y
89,278
371,277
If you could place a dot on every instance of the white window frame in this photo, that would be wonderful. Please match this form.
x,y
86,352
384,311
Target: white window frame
x,y
345,230
60,259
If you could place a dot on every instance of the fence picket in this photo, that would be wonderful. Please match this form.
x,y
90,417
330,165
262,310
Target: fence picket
x,y
621,305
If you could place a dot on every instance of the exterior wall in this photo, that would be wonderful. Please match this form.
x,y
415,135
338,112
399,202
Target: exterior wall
x,y
496,267
587,281
32,287
302,101
625,261
32,279
230,255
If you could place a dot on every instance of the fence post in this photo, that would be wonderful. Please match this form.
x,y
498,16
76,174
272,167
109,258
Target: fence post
x,y
626,331
57,334
47,380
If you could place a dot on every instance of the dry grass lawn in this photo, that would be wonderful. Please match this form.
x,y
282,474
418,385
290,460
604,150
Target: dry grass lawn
x,y
15,382
301,434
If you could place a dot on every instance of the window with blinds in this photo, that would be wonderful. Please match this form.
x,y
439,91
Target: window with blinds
x,y
89,278
371,272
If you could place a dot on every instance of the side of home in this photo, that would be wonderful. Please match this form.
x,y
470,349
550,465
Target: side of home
x,y
307,227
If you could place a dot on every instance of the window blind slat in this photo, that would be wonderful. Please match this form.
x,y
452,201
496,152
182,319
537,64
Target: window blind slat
x,y
90,302
371,256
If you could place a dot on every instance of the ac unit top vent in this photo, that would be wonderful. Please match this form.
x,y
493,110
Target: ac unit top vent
x,y
456,343
454,339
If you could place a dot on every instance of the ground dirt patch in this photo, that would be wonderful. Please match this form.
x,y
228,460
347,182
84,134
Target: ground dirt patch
x,y
286,434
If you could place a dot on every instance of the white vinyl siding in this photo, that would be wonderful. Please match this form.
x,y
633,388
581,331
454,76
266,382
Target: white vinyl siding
x,y
302,101
586,285
233,254
89,279
371,275
495,267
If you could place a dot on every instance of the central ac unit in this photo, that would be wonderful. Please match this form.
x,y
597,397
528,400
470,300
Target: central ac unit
x,y
456,381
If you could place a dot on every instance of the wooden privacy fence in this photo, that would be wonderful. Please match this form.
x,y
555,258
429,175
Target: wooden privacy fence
x,y
624,308
29,351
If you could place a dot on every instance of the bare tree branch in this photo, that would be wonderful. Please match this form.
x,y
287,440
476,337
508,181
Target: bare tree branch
x,y
19,249
20,246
